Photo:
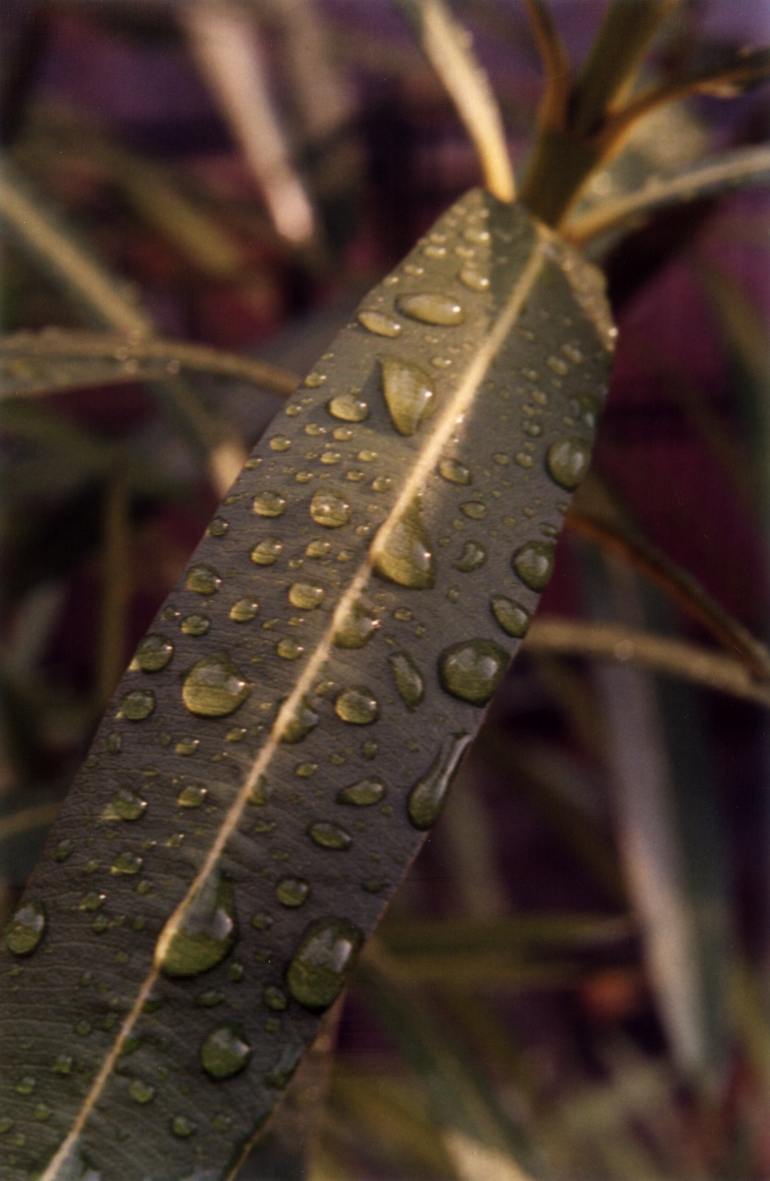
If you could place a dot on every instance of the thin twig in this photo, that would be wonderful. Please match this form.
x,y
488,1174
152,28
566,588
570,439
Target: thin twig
x,y
553,54
662,654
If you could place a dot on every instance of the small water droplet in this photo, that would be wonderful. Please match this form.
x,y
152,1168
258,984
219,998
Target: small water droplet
x,y
292,891
126,863
474,509
63,850
349,407
405,556
474,278
356,630
140,1091
279,443
289,649
379,324
192,796
280,1075
431,307
269,504
187,746
244,610
329,508
204,934
533,562
42,1112
409,682
214,687
314,379
476,234
262,921
182,1126
218,527
362,794
316,974
567,461
195,625
556,365
299,726
225,1050
329,836
210,998
408,393
357,705
454,471
203,579
473,669
429,794
275,998
25,927
306,595
62,1064
26,1085
125,805
137,705
154,653
512,617
267,551
474,555
523,459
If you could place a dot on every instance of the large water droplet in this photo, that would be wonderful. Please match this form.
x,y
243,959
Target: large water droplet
x,y
137,705
428,796
349,407
567,461
269,504
474,555
431,307
472,669
406,554
125,805
154,653
329,836
362,794
533,562
454,471
379,323
244,610
357,705
408,392
317,972
25,927
292,891
299,726
203,579
409,682
225,1050
356,630
203,936
306,595
512,617
329,508
267,551
214,687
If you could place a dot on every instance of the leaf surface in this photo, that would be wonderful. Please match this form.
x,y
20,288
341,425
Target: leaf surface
x,y
287,732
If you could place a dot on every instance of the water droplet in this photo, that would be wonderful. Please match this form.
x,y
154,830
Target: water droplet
x,y
474,510
137,705
195,625
431,307
567,461
409,682
114,743
362,794
406,554
299,726
140,1091
454,471
512,617
269,504
267,551
523,459
187,746
318,968
210,998
214,687
476,234
474,555
379,324
126,863
244,610
125,805
556,365
284,1068
275,998
433,250
314,379
63,850
329,508
473,278
429,794
182,1126
473,669
357,705
26,1085
203,936
349,407
533,562
192,796
262,921
203,579
306,595
408,393
225,1050
280,443
289,649
381,483
154,653
42,1112
25,928
62,1064
356,630
292,891
217,527
329,836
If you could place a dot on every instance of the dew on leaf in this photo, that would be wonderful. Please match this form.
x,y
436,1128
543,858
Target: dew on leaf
x,y
244,610
317,972
473,669
203,935
203,579
225,1050
140,1091
329,508
431,307
300,724
512,617
25,928
405,555
379,323
474,510
280,1075
154,653
289,649
474,555
362,794
62,1064
269,504
217,527
356,629
261,921
137,705
348,407
533,562
306,596
114,743
126,863
408,392
267,551
92,901
409,681
195,625
214,687
210,998
125,805
182,1126
274,998
329,836
454,471
63,850
567,461
357,705
429,794
474,278
292,891
192,795
41,1112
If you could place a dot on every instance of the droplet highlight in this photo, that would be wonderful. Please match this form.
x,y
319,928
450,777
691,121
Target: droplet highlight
x,y
214,687
330,509
357,705
567,461
408,393
431,307
512,617
154,653
319,966
225,1050
473,669
25,927
428,796
379,323
204,934
405,555
533,562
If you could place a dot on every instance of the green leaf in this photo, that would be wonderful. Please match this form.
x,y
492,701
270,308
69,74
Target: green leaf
x,y
260,784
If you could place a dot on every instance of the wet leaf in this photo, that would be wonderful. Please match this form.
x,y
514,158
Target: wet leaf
x,y
261,862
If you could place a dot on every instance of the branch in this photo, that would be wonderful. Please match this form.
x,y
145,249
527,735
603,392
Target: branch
x,y
553,110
